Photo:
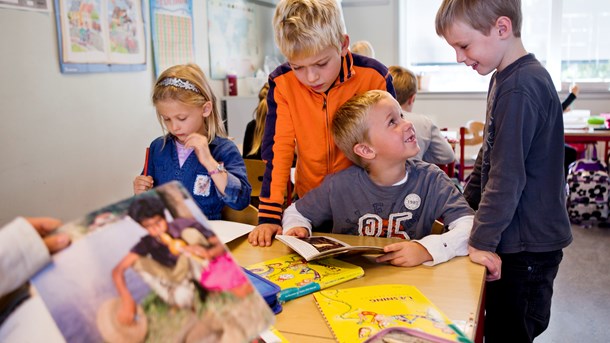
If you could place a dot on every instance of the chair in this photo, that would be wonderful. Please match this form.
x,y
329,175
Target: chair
x,y
255,170
471,135
437,227
248,215
449,168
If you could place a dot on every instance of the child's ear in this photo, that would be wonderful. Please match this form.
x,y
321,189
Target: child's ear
x,y
345,45
504,27
207,108
364,151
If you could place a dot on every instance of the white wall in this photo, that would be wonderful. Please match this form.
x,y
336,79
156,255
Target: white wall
x,y
73,143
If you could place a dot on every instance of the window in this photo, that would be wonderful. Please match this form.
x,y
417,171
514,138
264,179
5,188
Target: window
x,y
567,36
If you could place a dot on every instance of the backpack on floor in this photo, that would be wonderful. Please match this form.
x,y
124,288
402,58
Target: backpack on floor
x,y
588,185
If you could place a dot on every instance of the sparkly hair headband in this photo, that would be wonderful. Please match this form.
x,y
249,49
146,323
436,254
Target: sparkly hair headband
x,y
184,84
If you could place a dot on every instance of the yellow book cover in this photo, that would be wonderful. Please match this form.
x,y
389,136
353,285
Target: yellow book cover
x,y
357,314
297,277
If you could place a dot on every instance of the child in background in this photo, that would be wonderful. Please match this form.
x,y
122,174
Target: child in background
x,y
574,91
387,194
517,184
195,150
434,148
304,93
255,128
364,48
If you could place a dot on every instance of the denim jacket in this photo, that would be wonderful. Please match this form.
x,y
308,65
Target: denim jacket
x,y
164,167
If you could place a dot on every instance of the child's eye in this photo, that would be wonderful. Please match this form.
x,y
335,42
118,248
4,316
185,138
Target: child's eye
x,y
463,47
296,68
392,122
322,64
402,115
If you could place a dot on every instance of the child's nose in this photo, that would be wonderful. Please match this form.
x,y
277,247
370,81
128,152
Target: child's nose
x,y
312,75
459,56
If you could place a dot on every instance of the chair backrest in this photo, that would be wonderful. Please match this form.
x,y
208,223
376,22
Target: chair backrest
x,y
255,170
438,227
248,215
471,134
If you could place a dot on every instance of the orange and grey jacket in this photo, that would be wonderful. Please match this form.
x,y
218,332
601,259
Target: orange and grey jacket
x,y
299,117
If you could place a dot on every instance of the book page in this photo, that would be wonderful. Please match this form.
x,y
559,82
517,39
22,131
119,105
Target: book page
x,y
150,248
312,246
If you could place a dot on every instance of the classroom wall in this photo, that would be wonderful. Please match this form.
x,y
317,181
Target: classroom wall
x,y
73,143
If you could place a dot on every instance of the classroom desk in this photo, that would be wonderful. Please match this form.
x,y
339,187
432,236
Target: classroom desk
x,y
456,287
588,136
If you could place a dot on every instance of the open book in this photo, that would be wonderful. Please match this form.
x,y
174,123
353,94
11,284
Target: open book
x,y
316,247
297,277
362,313
158,250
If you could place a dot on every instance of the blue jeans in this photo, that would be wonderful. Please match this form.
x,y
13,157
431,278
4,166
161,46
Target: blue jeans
x,y
518,306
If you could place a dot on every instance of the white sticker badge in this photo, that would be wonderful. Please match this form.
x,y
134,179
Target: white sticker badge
x,y
412,201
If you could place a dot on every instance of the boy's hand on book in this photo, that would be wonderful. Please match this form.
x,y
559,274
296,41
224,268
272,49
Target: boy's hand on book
x,y
405,254
45,227
262,235
142,183
300,232
489,259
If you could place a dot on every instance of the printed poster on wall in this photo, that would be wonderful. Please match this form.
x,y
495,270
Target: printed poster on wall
x,y
100,35
30,5
234,45
172,33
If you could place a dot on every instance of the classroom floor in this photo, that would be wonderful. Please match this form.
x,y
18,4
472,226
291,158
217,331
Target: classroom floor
x,y
581,303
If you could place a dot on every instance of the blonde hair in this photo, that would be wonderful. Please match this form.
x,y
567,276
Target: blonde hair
x,y
190,73
405,83
349,124
260,118
364,48
303,28
481,15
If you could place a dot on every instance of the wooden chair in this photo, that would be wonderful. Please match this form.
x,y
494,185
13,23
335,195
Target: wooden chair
x,y
248,215
255,170
470,135
438,227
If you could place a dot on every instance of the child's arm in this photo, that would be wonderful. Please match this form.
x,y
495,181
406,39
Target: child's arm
x,y
233,185
294,223
405,254
490,260
127,310
438,248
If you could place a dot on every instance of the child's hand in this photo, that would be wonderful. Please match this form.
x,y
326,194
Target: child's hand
x,y
142,183
201,146
263,234
300,232
489,259
197,250
405,254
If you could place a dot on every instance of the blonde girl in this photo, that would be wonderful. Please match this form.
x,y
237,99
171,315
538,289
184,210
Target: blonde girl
x,y
255,128
194,148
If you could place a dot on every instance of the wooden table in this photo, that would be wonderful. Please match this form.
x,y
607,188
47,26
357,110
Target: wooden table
x,y
588,136
456,287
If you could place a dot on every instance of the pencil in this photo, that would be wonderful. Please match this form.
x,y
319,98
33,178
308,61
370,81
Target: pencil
x,y
146,162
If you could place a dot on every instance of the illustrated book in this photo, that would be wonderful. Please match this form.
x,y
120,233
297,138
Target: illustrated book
x,y
317,247
297,277
358,314
150,269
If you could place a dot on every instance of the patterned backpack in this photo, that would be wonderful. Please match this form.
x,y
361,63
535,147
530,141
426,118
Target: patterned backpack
x,y
588,185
